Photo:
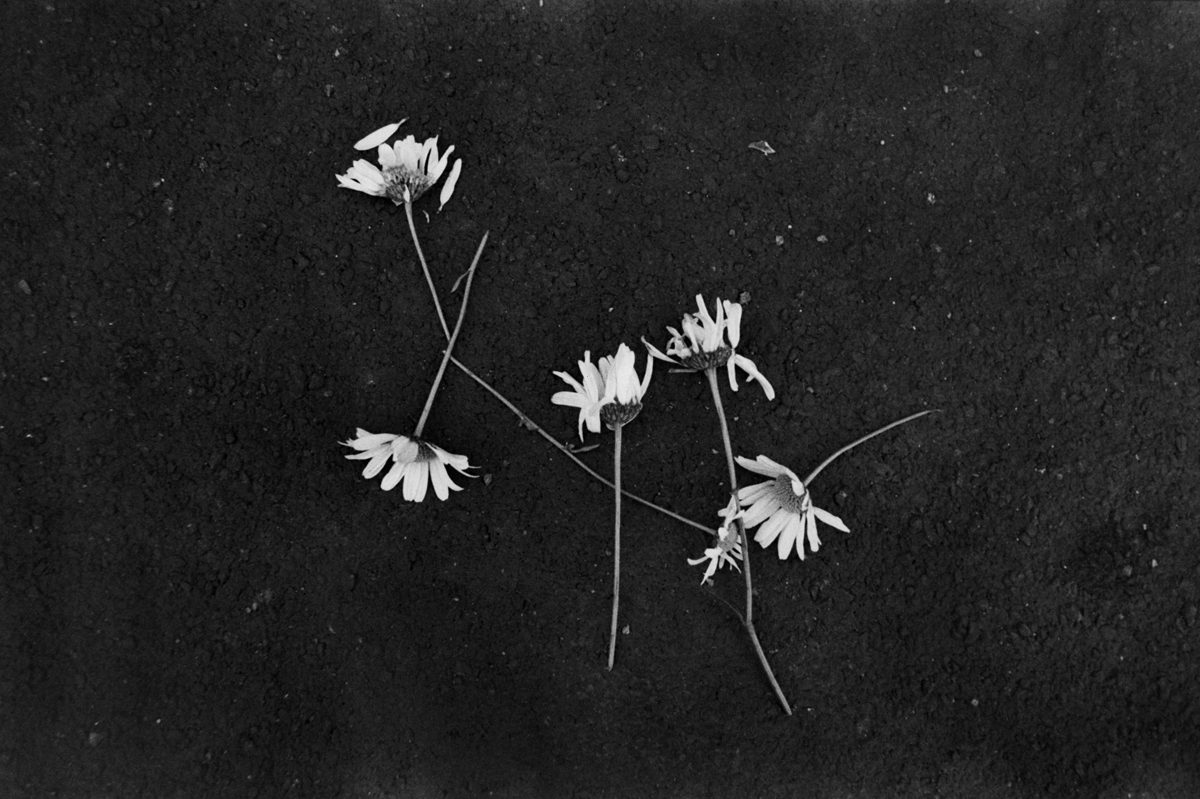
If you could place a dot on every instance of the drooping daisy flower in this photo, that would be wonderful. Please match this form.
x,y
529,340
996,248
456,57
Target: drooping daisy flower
x,y
725,549
610,390
585,396
610,393
414,460
781,508
407,169
708,343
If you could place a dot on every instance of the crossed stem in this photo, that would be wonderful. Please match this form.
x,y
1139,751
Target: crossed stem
x,y
521,415
748,617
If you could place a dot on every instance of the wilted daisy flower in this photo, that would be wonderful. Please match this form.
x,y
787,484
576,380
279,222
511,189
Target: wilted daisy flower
x,y
725,548
414,460
708,343
407,169
610,390
783,507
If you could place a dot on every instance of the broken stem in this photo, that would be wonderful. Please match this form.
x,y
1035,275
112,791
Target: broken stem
x,y
462,313
525,420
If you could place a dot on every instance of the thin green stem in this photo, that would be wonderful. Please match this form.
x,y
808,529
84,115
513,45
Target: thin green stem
x,y
616,601
462,313
865,438
748,619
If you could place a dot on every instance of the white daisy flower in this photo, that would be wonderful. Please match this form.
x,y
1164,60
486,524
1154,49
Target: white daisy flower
x,y
708,343
783,507
414,460
585,396
725,549
407,169
610,390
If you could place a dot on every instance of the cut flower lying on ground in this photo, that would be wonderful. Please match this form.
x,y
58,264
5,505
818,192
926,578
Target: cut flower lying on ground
x,y
724,550
781,508
708,343
407,169
613,382
414,460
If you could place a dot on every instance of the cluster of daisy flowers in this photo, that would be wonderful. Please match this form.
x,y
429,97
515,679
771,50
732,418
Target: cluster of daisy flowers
x,y
608,393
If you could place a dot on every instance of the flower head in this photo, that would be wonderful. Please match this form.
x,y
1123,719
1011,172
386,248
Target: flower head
x,y
708,343
783,507
414,460
407,169
610,390
724,549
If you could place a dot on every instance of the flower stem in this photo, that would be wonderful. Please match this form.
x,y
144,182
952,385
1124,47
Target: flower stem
x,y
412,228
529,424
865,438
525,420
748,619
462,313
616,603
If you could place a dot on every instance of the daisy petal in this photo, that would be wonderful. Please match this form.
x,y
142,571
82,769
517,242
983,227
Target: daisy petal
x,y
788,535
451,182
830,519
376,464
749,368
416,481
733,312
441,480
814,542
373,140
393,476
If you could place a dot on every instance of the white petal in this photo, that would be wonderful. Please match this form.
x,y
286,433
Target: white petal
x,y
441,480
377,463
749,368
364,440
749,494
733,312
787,535
438,165
407,153
405,450
571,399
761,510
765,466
830,519
572,382
393,476
712,339
593,378
451,182
429,159
646,378
387,154
373,140
655,352
798,527
773,526
416,481
810,522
